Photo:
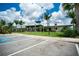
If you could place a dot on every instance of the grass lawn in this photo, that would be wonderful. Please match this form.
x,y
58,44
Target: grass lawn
x,y
52,34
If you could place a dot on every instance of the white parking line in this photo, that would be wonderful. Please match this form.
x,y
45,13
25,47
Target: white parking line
x,y
27,48
77,48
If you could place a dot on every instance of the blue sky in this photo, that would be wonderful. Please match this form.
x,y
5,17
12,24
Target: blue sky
x,y
5,6
28,12
56,7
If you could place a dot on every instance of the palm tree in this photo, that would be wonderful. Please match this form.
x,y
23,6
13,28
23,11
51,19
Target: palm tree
x,y
16,22
39,22
10,26
55,26
47,17
73,12
21,23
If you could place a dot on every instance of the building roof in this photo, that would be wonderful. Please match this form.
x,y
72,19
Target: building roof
x,y
49,26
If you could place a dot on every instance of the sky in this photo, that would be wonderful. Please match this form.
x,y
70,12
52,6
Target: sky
x,y
31,12
5,6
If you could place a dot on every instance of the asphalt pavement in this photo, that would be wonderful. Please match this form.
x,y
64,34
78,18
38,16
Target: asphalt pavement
x,y
19,45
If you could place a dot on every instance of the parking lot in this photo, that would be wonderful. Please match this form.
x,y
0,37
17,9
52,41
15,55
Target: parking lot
x,y
23,45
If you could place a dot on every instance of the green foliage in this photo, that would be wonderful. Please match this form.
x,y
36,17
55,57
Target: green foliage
x,y
68,32
46,16
8,27
64,28
16,22
71,13
2,22
21,22
10,24
68,6
4,27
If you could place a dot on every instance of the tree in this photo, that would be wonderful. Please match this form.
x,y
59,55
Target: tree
x,y
47,17
2,24
10,26
21,23
73,12
16,22
55,26
39,22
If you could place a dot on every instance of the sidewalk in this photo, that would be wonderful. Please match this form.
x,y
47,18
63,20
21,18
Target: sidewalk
x,y
72,40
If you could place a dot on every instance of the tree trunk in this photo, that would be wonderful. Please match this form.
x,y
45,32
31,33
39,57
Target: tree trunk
x,y
40,26
16,28
35,28
21,28
77,16
48,27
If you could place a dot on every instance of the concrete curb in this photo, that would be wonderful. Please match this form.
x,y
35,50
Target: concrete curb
x,y
71,40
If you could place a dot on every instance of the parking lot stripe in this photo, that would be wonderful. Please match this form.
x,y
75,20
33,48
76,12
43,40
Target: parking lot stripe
x,y
27,48
77,47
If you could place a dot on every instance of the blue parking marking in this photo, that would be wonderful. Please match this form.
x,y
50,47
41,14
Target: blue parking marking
x,y
4,39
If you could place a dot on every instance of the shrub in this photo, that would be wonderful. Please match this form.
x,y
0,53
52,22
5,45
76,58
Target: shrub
x,y
5,30
68,32
64,28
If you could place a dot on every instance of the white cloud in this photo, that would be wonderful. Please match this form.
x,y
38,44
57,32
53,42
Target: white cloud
x,y
10,15
31,11
60,17
46,5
